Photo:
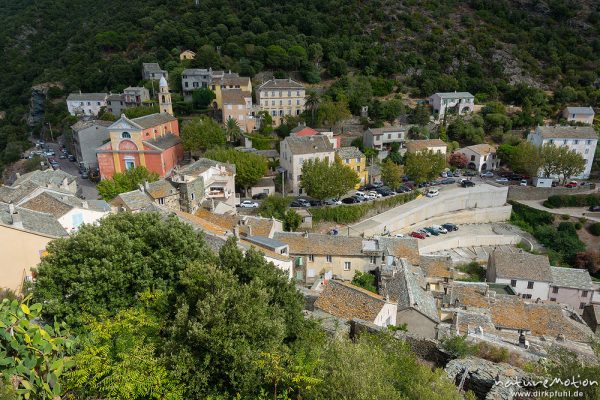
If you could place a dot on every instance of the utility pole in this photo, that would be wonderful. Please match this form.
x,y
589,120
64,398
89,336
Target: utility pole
x,y
51,134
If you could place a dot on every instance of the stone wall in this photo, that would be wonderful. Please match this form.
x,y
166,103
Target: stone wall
x,y
535,193
472,216
470,241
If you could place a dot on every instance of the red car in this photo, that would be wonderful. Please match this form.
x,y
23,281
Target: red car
x,y
571,185
418,235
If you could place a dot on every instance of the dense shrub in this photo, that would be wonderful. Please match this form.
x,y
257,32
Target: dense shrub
x,y
458,346
347,214
595,229
527,217
572,200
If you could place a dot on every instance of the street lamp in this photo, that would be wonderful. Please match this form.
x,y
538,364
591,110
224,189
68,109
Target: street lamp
x,y
281,171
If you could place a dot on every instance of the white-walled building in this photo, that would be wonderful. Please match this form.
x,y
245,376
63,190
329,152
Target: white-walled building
x,y
281,97
459,102
481,157
435,145
273,251
294,151
80,104
382,138
571,286
528,274
582,139
584,115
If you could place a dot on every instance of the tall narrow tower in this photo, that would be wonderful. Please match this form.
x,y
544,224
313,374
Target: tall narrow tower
x,y
164,97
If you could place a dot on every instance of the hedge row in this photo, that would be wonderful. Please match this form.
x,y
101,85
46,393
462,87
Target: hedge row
x,y
572,200
347,214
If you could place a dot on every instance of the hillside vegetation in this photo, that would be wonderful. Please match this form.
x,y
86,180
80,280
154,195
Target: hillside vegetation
x,y
495,49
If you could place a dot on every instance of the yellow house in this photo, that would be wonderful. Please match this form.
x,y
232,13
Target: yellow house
x,y
356,160
187,55
228,81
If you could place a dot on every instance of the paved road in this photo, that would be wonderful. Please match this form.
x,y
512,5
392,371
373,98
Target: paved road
x,y
577,212
88,188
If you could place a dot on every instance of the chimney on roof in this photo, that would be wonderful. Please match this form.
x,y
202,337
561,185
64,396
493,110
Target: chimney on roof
x,y
16,220
146,185
79,91
65,183
85,204
236,232
18,175
305,234
141,187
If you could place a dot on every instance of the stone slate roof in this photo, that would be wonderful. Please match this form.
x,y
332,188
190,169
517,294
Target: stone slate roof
x,y
400,247
571,278
34,221
87,97
152,120
265,241
134,200
481,149
454,95
349,152
196,72
347,301
308,144
202,164
235,96
231,80
82,124
436,266
225,222
47,204
151,67
320,244
161,188
45,178
414,146
581,110
164,142
567,132
16,193
280,84
115,97
406,286
389,129
523,266
265,181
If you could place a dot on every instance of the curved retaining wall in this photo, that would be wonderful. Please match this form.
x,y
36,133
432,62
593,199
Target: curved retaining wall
x,y
470,241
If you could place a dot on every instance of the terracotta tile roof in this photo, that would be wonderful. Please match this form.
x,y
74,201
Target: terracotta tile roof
x,y
436,267
567,132
414,146
302,130
524,266
347,301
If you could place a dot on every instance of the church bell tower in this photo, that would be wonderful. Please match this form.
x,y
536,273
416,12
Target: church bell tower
x,y
164,97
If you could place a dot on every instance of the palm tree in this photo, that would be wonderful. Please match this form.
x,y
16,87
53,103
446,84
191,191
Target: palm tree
x,y
234,133
312,102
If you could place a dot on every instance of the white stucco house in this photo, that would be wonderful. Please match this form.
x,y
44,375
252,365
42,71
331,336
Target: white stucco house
x,y
459,102
584,115
294,151
273,251
80,104
582,139
571,286
481,157
529,275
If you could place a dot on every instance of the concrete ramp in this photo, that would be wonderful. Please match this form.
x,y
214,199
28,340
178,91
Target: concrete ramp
x,y
462,244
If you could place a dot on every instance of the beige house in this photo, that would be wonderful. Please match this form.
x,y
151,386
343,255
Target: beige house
x,y
585,115
434,145
187,55
528,274
571,286
294,151
237,105
24,235
346,301
281,97
339,257
229,80
481,157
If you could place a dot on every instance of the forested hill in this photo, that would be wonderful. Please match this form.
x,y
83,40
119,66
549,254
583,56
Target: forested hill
x,y
476,45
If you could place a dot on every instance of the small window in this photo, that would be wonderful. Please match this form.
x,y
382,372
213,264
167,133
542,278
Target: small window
x,y
193,196
328,259
555,290
527,296
552,298
472,158
529,285
125,135
513,283
373,259
584,293
161,201
581,306
575,141
311,257
347,265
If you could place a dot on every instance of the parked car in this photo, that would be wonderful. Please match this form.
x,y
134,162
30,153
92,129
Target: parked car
x,y
375,193
448,181
424,232
444,174
399,235
71,157
350,200
300,203
450,227
440,229
487,174
62,156
332,202
377,184
85,175
571,184
594,208
431,231
260,196
403,189
523,182
370,196
502,180
418,235
465,183
433,193
470,173
249,204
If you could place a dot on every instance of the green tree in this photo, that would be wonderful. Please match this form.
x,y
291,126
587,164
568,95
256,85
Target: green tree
x,y
365,280
232,128
330,113
391,174
202,98
102,269
33,357
424,166
312,102
561,161
117,359
274,206
249,167
291,221
277,57
266,123
526,159
127,181
201,134
322,180
421,115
